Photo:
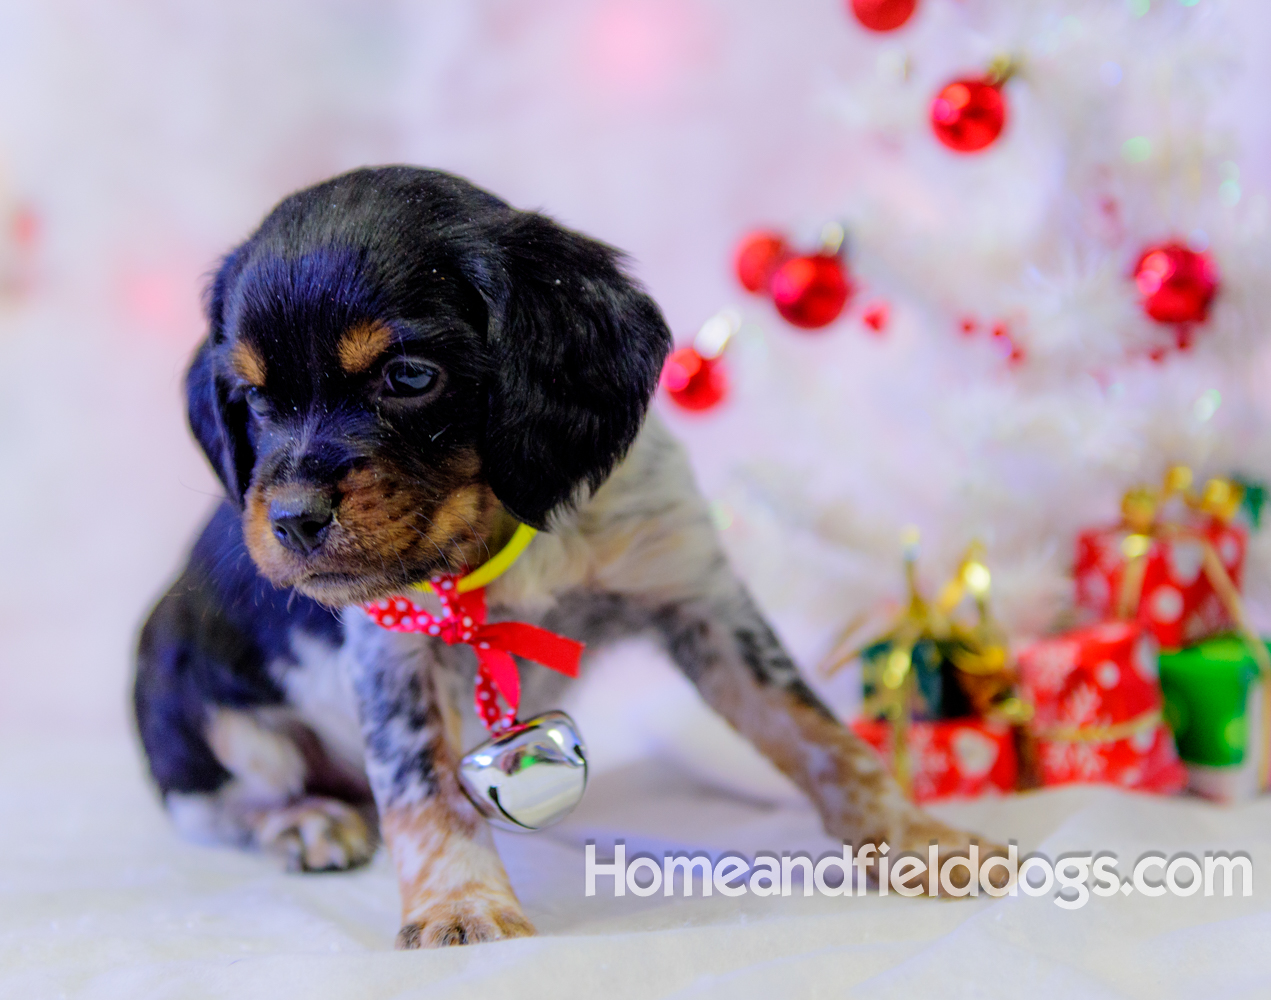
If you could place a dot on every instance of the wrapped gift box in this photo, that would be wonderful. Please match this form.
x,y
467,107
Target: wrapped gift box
x,y
1097,709
1146,761
936,692
1215,703
951,757
1176,601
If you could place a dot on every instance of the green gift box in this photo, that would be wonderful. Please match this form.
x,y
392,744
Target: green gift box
x,y
1214,704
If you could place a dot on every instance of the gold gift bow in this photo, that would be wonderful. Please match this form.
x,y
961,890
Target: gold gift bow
x,y
1220,498
1140,510
981,649
1100,734
893,694
920,619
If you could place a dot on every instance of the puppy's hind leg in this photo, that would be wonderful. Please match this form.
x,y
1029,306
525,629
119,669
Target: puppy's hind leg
x,y
262,803
234,761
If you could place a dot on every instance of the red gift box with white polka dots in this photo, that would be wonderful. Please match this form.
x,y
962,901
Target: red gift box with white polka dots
x,y
1177,602
1094,683
951,758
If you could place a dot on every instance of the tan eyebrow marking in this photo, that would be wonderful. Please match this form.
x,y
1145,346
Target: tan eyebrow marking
x,y
248,363
361,345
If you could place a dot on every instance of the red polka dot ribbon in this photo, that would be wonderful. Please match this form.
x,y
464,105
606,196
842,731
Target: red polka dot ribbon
x,y
463,621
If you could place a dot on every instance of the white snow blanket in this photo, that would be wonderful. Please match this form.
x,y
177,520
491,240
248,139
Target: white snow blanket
x,y
99,898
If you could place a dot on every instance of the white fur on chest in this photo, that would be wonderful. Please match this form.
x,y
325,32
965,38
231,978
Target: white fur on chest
x,y
320,693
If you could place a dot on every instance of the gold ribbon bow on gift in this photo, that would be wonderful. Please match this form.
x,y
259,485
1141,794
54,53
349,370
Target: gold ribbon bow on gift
x,y
978,651
1141,511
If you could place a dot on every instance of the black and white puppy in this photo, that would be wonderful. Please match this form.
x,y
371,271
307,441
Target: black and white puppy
x,y
399,367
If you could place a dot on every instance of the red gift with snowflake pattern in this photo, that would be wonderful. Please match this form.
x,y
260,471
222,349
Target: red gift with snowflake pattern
x,y
1174,563
1097,709
1176,599
951,758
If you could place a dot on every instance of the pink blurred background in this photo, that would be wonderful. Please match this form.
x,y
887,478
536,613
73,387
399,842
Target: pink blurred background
x,y
149,136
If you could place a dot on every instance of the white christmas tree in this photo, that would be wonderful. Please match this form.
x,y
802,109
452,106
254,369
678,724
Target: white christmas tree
x,y
1017,386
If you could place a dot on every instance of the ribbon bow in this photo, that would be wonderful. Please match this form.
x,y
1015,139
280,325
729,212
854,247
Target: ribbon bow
x,y
463,620
1219,498
978,651
1141,512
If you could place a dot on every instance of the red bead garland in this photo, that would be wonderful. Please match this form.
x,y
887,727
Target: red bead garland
x,y
876,317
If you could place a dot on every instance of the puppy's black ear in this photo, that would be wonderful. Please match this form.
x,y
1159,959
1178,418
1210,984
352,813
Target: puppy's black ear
x,y
577,350
218,422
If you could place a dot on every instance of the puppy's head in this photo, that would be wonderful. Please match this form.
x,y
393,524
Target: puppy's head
x,y
394,359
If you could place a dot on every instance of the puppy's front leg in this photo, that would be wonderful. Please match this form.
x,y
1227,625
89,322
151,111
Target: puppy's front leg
x,y
721,641
454,888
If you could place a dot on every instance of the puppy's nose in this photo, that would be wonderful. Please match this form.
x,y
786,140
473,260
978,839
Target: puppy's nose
x,y
300,519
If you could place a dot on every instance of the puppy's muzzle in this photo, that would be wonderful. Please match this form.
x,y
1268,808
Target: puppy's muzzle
x,y
301,517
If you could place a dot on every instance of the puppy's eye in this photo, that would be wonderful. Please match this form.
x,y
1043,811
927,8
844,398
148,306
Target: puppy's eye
x,y
256,401
408,378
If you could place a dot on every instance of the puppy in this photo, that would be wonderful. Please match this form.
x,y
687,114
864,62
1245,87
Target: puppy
x,y
400,368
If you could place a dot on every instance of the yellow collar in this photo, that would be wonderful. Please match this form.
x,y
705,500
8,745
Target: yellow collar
x,y
494,567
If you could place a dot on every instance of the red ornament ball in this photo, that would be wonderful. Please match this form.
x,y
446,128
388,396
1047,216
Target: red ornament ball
x,y
758,255
968,115
810,292
692,381
1177,284
883,15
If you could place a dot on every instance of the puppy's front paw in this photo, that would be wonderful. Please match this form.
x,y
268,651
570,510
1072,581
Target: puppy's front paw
x,y
921,831
465,921
316,835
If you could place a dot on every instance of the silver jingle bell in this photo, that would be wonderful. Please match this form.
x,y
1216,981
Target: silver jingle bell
x,y
530,776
